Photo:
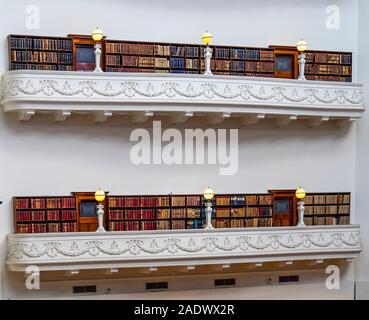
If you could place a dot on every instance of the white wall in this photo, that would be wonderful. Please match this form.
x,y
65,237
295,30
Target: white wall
x,y
41,157
363,156
251,285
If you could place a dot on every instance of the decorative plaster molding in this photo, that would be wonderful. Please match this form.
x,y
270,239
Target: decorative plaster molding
x,y
76,91
152,247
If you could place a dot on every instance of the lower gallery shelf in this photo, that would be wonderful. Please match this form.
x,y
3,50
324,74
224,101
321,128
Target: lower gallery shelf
x,y
168,248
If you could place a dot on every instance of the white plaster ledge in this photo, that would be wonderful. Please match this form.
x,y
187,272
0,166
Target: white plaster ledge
x,y
131,249
30,91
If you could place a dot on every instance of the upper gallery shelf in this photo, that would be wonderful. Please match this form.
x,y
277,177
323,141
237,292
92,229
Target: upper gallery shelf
x,y
181,96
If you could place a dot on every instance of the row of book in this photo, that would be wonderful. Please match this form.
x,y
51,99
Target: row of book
x,y
38,203
154,225
192,51
244,54
327,210
30,66
32,228
42,203
177,63
30,215
341,220
192,63
177,51
64,202
240,200
188,51
143,201
42,215
328,69
329,78
64,67
147,62
191,200
244,212
53,215
250,66
161,50
329,58
52,44
41,57
121,214
163,214
161,63
54,227
137,49
327,199
69,227
243,223
178,201
69,215
189,213
259,75
40,44
52,67
46,227
179,213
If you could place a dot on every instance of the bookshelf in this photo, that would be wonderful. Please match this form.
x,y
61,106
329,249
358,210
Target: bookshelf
x,y
58,53
126,56
328,66
164,212
129,56
40,53
188,212
327,209
45,214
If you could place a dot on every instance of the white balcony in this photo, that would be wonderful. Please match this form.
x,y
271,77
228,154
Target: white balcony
x,y
141,96
183,248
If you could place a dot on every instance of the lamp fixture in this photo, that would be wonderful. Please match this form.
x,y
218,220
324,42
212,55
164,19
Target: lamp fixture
x,y
302,46
300,195
99,197
208,195
207,39
97,35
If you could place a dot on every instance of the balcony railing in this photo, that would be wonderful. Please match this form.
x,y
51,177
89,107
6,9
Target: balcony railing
x,y
142,96
135,249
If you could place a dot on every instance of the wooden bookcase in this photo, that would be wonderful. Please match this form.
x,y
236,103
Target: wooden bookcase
x,y
327,208
161,57
45,214
328,66
40,53
161,212
188,211
132,56
129,56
